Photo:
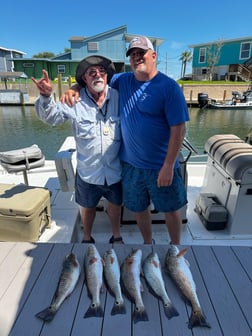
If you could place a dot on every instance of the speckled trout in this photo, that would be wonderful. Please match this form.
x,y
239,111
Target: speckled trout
x,y
178,268
67,282
154,278
130,274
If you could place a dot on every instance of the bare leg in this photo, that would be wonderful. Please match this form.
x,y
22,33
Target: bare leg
x,y
144,223
173,223
114,213
88,216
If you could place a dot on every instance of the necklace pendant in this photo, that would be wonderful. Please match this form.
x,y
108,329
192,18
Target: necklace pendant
x,y
105,130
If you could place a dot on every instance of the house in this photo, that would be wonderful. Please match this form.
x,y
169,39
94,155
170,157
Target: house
x,y
112,44
223,59
6,62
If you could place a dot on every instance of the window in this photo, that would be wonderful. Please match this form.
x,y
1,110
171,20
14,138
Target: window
x,y
61,69
245,50
28,65
202,55
93,46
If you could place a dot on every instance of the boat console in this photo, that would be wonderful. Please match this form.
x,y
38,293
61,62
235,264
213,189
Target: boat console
x,y
226,195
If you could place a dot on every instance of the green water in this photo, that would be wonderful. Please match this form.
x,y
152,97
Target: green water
x,y
20,127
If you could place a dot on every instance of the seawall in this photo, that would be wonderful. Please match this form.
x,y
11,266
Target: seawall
x,y
191,91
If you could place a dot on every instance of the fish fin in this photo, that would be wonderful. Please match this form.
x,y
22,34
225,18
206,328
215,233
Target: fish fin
x,y
170,311
182,252
118,308
197,319
94,311
187,262
141,287
139,315
47,314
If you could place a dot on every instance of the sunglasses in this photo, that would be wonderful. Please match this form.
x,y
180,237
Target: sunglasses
x,y
93,72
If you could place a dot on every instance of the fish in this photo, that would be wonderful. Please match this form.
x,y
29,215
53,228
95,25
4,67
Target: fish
x,y
69,277
178,269
131,283
154,279
93,266
112,278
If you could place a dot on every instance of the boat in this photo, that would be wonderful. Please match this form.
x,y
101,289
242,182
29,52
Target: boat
x,y
237,102
219,197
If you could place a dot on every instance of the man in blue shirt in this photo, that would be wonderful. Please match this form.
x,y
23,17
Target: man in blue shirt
x,y
153,114
96,128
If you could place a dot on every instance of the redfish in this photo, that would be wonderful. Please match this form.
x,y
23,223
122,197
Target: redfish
x,y
130,274
93,265
178,268
112,278
154,278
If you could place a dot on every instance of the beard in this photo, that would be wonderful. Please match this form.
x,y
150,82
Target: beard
x,y
98,85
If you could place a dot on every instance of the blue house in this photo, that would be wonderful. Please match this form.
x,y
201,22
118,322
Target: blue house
x,y
112,44
223,59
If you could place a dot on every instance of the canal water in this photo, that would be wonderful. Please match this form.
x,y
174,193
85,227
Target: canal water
x,y
20,127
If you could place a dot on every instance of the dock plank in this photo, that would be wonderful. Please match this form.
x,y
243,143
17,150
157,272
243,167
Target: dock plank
x,y
245,256
42,293
222,297
31,274
237,278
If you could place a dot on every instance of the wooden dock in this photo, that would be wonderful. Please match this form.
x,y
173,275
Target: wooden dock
x,y
29,275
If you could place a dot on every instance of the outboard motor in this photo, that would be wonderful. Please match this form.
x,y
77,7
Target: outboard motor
x,y
202,99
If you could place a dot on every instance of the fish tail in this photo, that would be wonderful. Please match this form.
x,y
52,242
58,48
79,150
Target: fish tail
x,y
118,308
170,311
197,319
94,311
140,315
47,314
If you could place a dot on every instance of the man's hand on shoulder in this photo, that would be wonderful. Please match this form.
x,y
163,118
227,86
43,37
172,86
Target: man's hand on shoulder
x,y
71,96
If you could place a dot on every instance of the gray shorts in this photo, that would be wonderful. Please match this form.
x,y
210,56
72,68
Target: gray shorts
x,y
140,188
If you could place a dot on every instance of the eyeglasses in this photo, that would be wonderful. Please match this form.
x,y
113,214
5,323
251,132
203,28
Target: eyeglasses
x,y
93,72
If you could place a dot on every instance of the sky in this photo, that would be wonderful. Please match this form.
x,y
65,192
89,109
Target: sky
x,y
33,26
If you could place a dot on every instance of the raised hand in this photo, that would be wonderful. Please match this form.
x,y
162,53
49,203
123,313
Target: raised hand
x,y
44,85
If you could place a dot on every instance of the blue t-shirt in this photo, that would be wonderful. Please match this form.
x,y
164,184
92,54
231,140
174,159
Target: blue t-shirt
x,y
147,110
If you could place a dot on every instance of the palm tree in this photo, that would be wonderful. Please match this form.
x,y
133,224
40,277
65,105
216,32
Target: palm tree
x,y
186,57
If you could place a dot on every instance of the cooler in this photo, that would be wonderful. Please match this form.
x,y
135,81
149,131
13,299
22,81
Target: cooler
x,y
24,212
228,178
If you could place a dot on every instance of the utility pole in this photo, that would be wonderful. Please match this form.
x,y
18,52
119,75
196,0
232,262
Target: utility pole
x,y
166,64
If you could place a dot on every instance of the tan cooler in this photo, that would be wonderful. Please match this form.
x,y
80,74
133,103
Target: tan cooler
x,y
24,212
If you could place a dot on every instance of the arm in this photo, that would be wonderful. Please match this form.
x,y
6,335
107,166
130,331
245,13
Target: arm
x,y
46,108
165,176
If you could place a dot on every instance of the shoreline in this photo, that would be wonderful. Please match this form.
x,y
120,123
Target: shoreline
x,y
214,91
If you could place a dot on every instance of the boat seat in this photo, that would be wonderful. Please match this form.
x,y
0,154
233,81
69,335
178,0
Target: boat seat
x,y
228,150
22,160
215,141
238,165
